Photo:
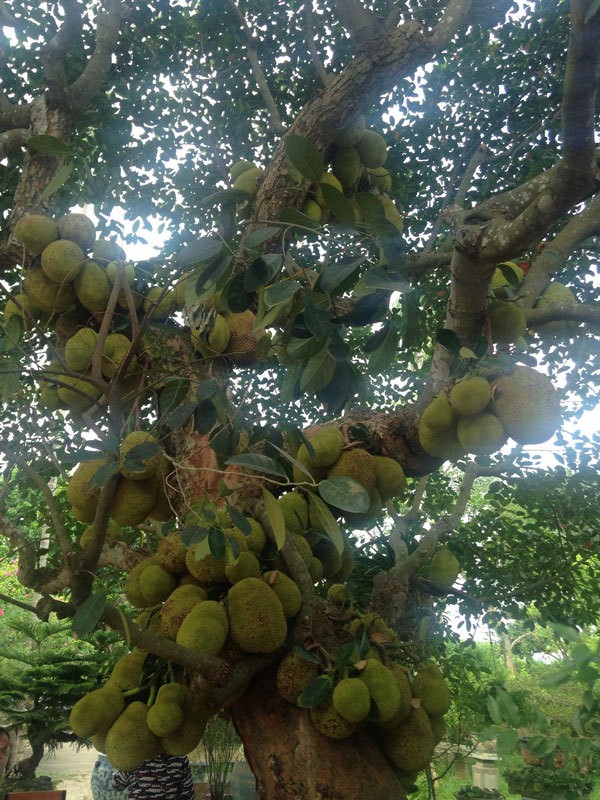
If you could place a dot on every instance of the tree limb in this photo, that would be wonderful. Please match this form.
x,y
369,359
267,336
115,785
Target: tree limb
x,y
56,49
310,43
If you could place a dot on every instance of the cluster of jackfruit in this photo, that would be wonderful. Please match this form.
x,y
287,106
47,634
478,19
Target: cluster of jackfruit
x,y
406,712
327,456
478,416
140,492
135,716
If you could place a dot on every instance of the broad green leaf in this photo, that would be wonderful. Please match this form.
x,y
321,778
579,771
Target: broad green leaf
x,y
48,145
367,309
174,394
275,517
506,742
205,416
380,278
494,710
103,473
565,632
337,273
318,372
61,177
178,417
196,535
217,543
321,513
384,355
340,207
345,493
508,708
257,237
371,208
291,216
449,340
316,319
205,249
281,292
88,615
304,156
257,463
262,271
239,520
316,692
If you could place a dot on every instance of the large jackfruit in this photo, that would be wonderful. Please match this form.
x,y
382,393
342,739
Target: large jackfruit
x,y
164,717
294,674
77,392
480,434
507,322
431,687
311,475
444,568
92,286
127,671
527,405
183,740
77,228
246,565
470,396
241,347
439,414
390,480
96,711
410,745
171,553
133,501
62,261
351,699
442,444
404,685
205,628
177,606
295,511
79,349
383,688
156,584
256,619
46,294
129,741
357,464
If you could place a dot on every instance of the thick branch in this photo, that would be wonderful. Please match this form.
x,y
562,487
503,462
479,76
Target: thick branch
x,y
310,43
57,48
558,312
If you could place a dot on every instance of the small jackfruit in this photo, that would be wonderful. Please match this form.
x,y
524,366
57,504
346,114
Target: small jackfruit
x,y
131,587
439,414
480,433
440,444
159,303
256,618
351,699
444,568
115,349
501,285
129,741
205,628
177,606
294,674
357,464
92,286
304,477
243,339
410,745
133,501
127,671
295,511
507,322
329,722
527,405
238,167
390,480
247,180
189,733
79,491
164,718
347,166
257,538
326,445
137,465
45,294
431,687
470,396
79,349
246,565
96,711
383,688
286,590
372,149
156,584
171,553
557,294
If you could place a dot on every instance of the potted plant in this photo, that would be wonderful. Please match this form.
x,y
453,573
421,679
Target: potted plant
x,y
539,783
477,793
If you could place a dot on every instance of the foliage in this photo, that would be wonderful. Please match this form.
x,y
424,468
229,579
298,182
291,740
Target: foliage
x,y
221,743
548,783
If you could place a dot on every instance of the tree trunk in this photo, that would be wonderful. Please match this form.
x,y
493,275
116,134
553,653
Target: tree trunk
x,y
291,760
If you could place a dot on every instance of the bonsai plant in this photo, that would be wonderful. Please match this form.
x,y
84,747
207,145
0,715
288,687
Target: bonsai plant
x,y
476,793
540,783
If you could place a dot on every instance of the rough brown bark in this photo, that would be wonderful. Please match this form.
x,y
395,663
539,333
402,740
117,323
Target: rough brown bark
x,y
292,761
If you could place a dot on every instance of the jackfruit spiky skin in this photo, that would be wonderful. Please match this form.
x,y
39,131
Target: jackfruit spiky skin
x,y
177,606
239,167
79,349
347,166
390,480
171,553
444,568
164,718
351,699
158,303
337,594
241,348
440,444
439,414
372,149
149,465
327,445
133,501
114,532
189,733
96,711
405,688
286,590
357,464
383,688
256,540
156,584
208,569
205,628
527,405
470,396
77,392
45,294
131,587
480,433
62,261
246,565
294,674
115,349
35,232
507,321
130,742
328,722
79,493
556,293
430,686
295,511
79,229
256,619
127,671
410,745
92,287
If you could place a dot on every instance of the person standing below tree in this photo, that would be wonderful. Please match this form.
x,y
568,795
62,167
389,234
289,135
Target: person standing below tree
x,y
163,778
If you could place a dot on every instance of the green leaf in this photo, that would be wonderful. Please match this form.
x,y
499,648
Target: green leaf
x,y
48,145
371,208
322,514
385,354
88,615
174,394
290,383
180,415
304,156
449,340
317,319
239,520
380,278
494,710
318,372
292,216
258,463
61,177
204,249
275,517
281,292
316,692
592,11
339,206
345,493
217,543
565,632
262,271
336,274
195,535
102,474
257,237
506,742
368,309
508,708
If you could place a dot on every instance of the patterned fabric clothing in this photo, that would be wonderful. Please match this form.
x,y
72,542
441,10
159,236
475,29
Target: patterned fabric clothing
x,y
162,778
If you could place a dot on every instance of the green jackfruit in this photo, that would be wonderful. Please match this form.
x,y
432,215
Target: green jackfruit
x,y
500,285
171,553
327,444
130,742
79,229
294,674
131,587
527,405
240,166
347,166
208,569
431,687
470,396
440,444
247,181
327,721
295,511
105,251
372,149
410,745
351,699
45,294
177,606
159,303
96,711
127,671
390,480
315,473
557,294
439,414
337,594
35,232
383,688
256,619
79,492
79,349
136,465
350,135
205,628
507,321
164,718
257,538
444,568
92,286
246,565
115,349
133,501
480,433
188,735
286,590
357,464
156,584
62,261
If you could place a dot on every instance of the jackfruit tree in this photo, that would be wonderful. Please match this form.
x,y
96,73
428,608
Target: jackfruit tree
x,y
374,297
